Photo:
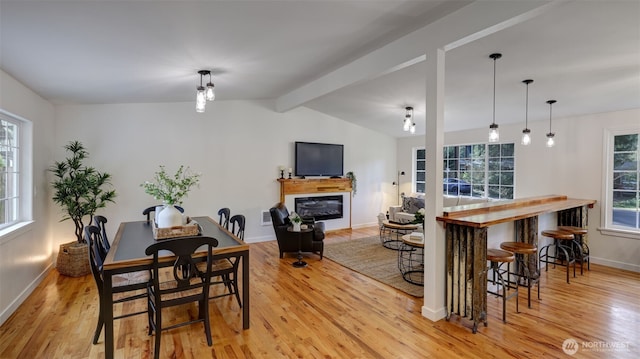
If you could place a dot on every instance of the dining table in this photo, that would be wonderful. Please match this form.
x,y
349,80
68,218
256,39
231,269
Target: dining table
x,y
127,254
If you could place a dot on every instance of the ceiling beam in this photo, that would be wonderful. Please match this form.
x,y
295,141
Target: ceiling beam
x,y
474,21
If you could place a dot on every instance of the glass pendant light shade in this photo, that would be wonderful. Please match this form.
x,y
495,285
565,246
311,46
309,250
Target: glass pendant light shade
x,y
550,136
200,99
408,117
412,129
526,137
210,93
526,133
550,141
494,134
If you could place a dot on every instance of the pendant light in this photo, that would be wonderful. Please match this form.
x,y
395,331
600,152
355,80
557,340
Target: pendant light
x,y
408,119
494,135
550,135
201,100
526,133
204,94
412,129
210,93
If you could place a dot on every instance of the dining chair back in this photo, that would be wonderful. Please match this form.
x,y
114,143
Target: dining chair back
x,y
100,222
224,214
237,225
147,211
127,286
186,284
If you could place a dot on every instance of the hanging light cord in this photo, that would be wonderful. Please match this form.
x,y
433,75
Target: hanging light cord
x,y
550,107
494,90
526,109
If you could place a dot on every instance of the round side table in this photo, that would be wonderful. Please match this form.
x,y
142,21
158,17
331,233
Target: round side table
x,y
411,260
299,263
390,237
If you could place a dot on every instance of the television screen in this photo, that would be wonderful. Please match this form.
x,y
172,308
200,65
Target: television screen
x,y
319,159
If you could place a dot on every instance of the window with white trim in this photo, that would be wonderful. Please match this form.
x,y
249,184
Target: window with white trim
x,y
12,208
477,170
622,200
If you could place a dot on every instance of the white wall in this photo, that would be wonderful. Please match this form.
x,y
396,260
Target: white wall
x,y
26,255
236,145
573,167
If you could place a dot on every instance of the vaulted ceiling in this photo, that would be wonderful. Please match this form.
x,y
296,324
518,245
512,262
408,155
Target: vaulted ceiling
x,y
585,54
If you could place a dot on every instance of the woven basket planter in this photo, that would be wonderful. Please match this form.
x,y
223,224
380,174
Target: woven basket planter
x,y
73,259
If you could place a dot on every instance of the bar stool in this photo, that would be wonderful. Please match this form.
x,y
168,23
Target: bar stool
x,y
562,253
581,249
520,249
498,257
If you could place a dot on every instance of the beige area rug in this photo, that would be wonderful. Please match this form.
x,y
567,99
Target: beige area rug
x,y
369,257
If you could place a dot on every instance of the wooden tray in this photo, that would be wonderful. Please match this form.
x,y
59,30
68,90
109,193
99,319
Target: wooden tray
x,y
192,228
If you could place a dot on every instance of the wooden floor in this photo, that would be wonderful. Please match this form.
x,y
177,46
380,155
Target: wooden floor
x,y
327,311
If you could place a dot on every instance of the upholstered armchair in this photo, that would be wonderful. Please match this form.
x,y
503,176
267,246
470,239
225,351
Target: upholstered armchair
x,y
288,241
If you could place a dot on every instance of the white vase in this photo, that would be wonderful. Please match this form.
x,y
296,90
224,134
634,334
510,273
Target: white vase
x,y
169,217
296,227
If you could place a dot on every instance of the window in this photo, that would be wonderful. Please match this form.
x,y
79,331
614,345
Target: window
x,y
420,174
12,187
500,172
476,170
622,200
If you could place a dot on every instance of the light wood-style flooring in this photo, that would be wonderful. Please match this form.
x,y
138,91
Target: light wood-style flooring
x,y
328,311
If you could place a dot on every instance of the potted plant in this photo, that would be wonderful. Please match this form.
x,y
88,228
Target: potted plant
x,y
296,220
352,176
79,190
171,190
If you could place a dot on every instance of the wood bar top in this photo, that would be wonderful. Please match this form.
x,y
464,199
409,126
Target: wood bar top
x,y
481,215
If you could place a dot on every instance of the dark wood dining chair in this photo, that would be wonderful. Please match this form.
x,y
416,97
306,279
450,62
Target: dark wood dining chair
x,y
237,225
224,214
147,211
100,222
188,284
126,287
227,268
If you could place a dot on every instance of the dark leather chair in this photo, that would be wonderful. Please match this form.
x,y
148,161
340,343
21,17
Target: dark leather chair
x,y
288,241
187,284
224,214
147,211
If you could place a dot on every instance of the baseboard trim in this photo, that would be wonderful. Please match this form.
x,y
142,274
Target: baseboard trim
x,y
24,295
616,264
434,315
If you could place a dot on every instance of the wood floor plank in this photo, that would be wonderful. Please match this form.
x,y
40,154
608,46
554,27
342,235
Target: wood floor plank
x,y
328,311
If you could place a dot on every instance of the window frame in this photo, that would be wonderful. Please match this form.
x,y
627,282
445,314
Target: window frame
x,y
24,194
606,209
470,148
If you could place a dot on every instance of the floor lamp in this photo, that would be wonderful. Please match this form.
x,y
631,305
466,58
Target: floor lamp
x,y
397,184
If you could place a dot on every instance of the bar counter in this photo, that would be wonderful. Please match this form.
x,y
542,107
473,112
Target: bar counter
x,y
466,244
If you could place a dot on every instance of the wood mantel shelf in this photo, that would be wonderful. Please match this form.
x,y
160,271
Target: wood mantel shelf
x,y
313,185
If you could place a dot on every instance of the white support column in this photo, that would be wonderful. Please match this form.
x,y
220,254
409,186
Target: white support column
x,y
434,241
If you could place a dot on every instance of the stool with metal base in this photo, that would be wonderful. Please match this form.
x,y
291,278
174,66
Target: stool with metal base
x,y
497,258
580,248
563,254
523,275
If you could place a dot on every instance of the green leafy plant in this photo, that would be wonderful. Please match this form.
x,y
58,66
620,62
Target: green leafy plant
x,y
295,218
171,189
350,175
79,188
419,216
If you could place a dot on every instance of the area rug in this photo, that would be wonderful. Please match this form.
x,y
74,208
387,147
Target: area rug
x,y
369,257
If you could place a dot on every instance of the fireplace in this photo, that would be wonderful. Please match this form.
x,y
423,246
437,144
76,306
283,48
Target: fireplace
x,y
321,208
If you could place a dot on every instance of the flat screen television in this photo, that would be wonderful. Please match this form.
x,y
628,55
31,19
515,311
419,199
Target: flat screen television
x,y
319,159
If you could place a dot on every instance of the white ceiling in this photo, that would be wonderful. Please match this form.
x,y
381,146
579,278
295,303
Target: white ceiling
x,y
585,54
